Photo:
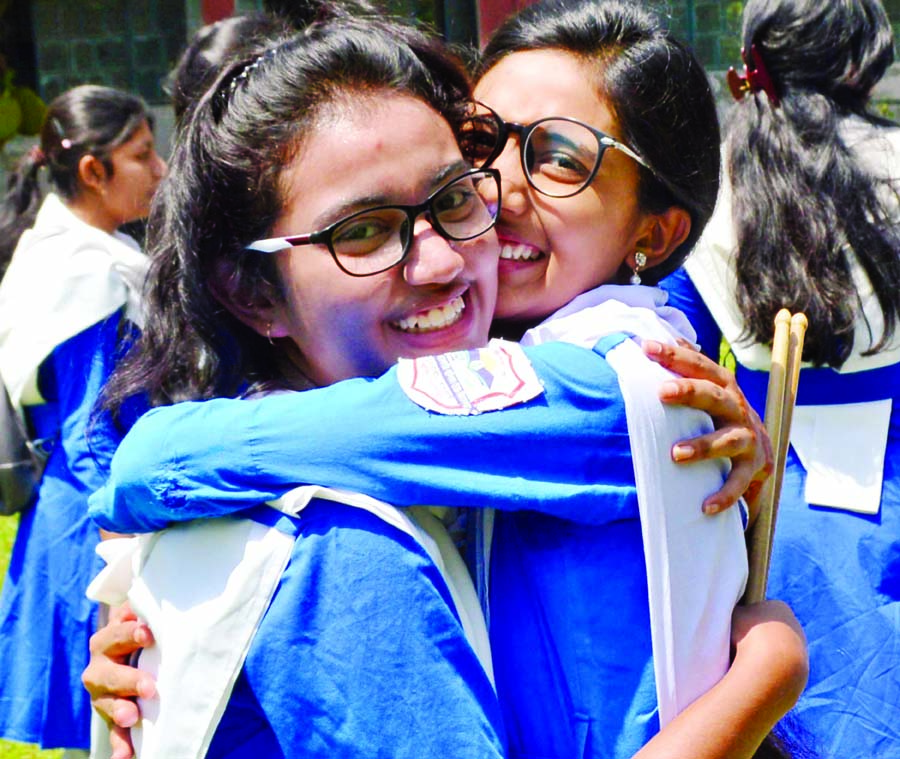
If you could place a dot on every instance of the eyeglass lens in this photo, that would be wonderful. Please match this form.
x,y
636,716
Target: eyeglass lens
x,y
375,240
559,157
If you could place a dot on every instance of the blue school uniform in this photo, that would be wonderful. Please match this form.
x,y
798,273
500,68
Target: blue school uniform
x,y
65,302
684,296
359,602
575,678
838,570
45,618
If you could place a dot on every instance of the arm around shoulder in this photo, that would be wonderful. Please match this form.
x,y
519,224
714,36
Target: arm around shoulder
x,y
767,676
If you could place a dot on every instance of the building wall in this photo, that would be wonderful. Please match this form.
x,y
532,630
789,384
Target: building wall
x,y
132,44
129,44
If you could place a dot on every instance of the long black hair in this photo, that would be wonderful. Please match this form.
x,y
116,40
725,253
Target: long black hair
x,y
211,47
223,191
656,88
86,120
804,204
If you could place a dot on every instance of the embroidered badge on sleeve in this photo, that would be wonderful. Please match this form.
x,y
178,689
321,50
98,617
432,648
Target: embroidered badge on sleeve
x,y
472,381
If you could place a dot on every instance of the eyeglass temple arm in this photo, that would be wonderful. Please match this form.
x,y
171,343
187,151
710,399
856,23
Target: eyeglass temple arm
x,y
274,244
611,142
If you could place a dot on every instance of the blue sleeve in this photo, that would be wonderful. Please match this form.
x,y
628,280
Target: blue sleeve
x,y
683,295
558,453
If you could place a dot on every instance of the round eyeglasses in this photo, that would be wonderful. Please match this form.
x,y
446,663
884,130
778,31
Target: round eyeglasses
x,y
377,239
560,156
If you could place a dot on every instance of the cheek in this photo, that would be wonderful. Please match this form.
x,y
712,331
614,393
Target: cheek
x,y
483,258
592,236
332,309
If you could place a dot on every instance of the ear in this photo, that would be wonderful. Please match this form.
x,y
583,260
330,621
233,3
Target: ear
x,y
92,173
262,313
660,235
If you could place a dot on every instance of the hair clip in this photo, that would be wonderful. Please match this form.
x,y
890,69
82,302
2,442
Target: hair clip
x,y
64,141
754,79
228,86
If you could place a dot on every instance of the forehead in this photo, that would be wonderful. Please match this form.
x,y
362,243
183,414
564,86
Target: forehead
x,y
388,147
533,84
140,138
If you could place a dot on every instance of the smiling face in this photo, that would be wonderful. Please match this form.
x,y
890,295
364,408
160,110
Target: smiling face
x,y
552,249
367,152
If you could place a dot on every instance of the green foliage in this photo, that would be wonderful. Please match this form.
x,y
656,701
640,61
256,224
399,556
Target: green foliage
x,y
21,110
8,527
9,750
731,36
886,108
726,356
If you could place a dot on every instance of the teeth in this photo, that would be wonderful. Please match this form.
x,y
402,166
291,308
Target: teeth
x,y
433,318
519,252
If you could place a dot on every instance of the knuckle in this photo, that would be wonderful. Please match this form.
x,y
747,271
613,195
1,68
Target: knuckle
x,y
702,447
95,646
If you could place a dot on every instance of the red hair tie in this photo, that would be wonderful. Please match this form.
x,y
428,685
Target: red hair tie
x,y
754,79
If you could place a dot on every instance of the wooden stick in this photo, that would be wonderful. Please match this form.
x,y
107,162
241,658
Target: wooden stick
x,y
792,381
759,540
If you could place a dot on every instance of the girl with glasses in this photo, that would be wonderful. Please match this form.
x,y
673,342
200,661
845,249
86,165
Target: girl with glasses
x,y
359,643
319,328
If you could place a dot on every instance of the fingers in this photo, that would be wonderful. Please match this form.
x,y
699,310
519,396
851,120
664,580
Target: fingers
x,y
109,680
751,498
121,613
720,403
118,712
106,678
732,489
688,362
726,443
120,743
120,639
740,436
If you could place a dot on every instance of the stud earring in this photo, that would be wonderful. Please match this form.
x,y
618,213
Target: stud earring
x,y
640,261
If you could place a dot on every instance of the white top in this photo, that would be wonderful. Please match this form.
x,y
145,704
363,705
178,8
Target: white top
x,y
64,277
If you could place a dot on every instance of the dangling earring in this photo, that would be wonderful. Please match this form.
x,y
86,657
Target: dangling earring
x,y
269,333
640,261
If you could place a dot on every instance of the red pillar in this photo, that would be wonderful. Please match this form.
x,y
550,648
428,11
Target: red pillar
x,y
215,10
492,12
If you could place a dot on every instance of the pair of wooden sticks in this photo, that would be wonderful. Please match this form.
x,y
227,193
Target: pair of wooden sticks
x,y
784,377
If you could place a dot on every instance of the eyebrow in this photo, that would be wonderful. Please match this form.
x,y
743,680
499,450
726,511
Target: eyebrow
x,y
374,201
144,144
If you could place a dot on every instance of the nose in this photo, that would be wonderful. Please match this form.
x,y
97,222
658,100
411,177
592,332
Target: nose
x,y
160,166
513,185
432,259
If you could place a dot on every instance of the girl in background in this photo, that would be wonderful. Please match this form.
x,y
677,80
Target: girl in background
x,y
808,219
68,300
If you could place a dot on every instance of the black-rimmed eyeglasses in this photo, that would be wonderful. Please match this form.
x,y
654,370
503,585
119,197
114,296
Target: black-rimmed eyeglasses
x,y
377,239
560,155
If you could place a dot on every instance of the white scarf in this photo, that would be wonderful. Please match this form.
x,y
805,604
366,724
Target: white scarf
x,y
64,277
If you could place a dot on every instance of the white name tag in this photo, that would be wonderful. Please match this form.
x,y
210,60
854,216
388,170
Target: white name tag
x,y
472,381
843,450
